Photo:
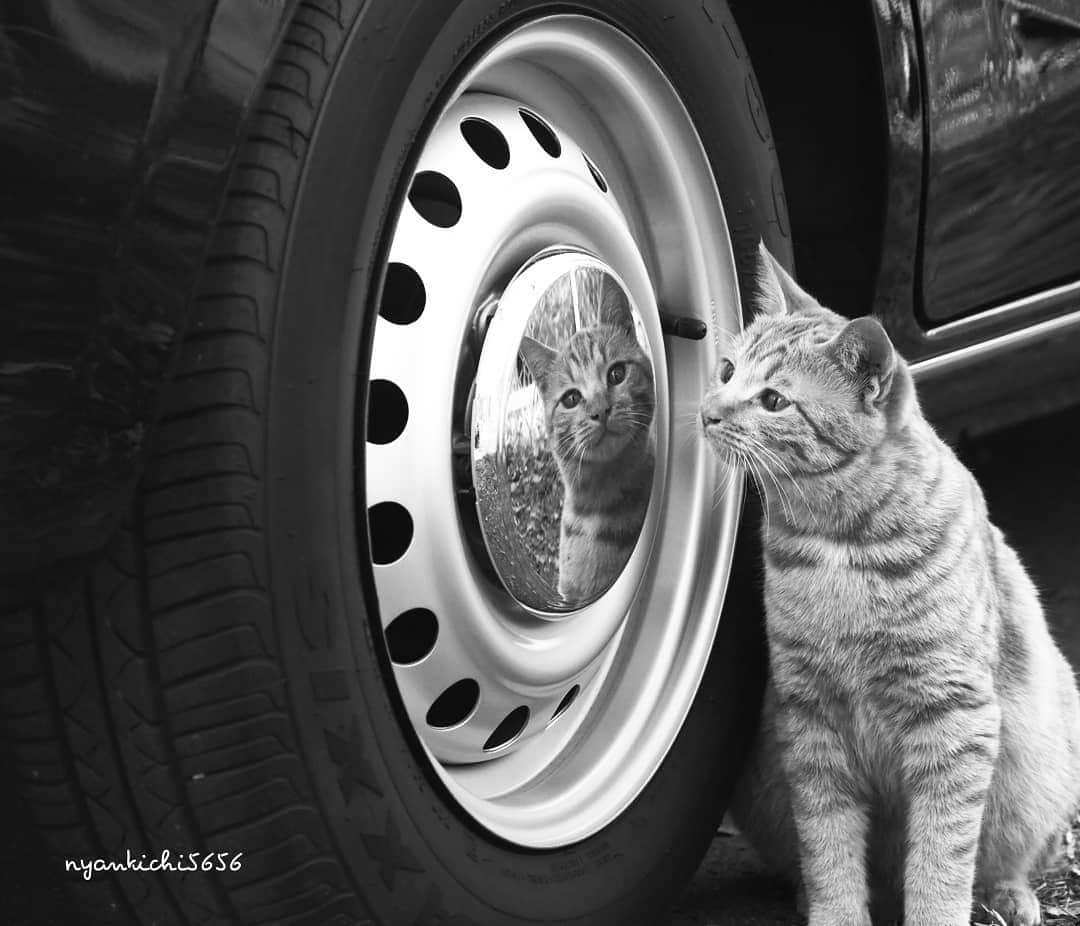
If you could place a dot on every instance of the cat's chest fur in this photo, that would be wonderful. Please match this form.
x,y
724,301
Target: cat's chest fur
x,y
867,625
826,628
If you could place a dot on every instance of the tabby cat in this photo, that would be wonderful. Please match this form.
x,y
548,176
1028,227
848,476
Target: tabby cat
x,y
599,403
921,730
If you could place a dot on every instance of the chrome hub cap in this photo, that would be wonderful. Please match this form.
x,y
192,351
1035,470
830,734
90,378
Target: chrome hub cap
x,y
519,489
566,147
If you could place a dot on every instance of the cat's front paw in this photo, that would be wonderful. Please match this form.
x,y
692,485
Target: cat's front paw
x,y
1016,904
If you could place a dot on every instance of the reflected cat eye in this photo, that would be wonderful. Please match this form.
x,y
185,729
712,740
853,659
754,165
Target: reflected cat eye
x,y
727,370
570,398
616,373
772,401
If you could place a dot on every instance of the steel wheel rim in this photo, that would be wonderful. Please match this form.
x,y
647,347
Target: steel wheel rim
x,y
627,150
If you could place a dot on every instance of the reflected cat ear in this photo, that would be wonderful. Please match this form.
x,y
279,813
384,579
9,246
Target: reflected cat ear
x,y
864,352
778,293
539,358
614,308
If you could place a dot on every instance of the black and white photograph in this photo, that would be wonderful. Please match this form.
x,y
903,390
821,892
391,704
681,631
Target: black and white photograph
x,y
539,462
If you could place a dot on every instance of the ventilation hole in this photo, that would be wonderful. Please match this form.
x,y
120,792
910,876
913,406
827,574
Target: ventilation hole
x,y
388,412
565,703
391,532
436,198
542,133
454,705
403,295
411,636
487,141
512,724
596,175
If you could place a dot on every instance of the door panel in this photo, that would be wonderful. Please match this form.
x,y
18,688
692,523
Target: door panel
x,y
1002,215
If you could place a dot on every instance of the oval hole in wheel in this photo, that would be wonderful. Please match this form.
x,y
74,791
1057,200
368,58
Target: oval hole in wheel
x,y
542,132
455,705
487,142
596,175
412,635
391,528
509,729
436,198
388,412
565,703
404,296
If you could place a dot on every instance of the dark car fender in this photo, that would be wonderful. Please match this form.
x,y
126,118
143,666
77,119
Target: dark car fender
x,y
119,124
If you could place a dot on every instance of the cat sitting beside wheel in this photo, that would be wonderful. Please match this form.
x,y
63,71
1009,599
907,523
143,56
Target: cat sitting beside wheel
x,y
920,741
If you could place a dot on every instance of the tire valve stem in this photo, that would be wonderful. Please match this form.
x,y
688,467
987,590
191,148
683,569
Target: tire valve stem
x,y
682,326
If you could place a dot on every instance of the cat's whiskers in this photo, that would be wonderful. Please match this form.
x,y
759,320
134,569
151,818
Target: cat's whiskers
x,y
732,464
691,426
770,456
583,446
721,491
781,496
640,420
786,472
754,450
739,449
752,467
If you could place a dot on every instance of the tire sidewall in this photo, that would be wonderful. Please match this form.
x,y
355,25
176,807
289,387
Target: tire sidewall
x,y
408,849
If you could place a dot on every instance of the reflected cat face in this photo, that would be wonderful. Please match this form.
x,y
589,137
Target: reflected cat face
x,y
598,390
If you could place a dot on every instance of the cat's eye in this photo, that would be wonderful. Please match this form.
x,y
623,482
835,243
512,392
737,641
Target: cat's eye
x,y
772,401
727,370
570,398
616,373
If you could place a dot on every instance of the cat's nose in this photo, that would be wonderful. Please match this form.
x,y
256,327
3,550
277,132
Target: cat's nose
x,y
600,413
712,412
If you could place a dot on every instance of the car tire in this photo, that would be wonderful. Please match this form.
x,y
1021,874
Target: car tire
x,y
218,683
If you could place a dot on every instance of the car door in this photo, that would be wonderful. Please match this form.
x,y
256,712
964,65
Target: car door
x,y
1002,210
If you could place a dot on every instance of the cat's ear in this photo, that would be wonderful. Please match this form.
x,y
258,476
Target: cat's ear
x,y
539,358
615,308
778,293
864,352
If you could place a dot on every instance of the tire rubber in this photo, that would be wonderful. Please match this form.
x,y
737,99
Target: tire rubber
x,y
216,683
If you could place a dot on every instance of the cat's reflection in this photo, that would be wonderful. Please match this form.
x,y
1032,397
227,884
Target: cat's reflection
x,y
599,401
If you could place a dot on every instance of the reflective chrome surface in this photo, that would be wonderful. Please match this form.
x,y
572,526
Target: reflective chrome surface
x,y
545,729
554,433
1003,96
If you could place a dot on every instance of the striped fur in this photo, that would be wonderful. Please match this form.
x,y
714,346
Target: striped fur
x,y
920,742
603,446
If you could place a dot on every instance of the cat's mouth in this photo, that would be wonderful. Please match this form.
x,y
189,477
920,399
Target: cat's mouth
x,y
605,434
719,440
605,442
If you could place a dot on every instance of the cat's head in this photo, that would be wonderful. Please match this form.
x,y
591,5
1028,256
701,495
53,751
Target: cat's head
x,y
598,390
802,386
